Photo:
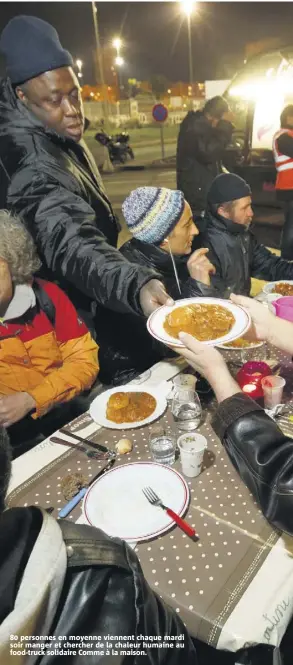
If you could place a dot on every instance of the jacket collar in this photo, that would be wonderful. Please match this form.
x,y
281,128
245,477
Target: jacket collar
x,y
226,225
156,256
23,299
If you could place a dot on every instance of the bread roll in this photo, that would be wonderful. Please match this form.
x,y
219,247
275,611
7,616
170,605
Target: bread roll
x,y
124,446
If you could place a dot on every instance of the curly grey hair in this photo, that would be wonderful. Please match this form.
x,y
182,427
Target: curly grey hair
x,y
17,248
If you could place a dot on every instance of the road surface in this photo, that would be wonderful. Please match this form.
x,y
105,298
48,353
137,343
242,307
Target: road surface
x,y
143,154
268,222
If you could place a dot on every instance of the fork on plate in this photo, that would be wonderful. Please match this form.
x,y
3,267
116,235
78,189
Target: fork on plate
x,y
154,500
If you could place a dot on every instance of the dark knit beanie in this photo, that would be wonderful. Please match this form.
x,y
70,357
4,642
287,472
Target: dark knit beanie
x,y
227,187
31,47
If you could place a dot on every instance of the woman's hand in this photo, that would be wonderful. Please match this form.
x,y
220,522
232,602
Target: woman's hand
x,y
263,321
199,266
209,362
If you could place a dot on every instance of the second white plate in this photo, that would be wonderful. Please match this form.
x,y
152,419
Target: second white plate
x,y
98,407
116,503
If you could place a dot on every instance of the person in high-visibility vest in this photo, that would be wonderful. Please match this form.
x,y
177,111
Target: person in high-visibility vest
x,y
283,155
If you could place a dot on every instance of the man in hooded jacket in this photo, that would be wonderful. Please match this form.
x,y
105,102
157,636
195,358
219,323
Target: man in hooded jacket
x,y
49,178
202,140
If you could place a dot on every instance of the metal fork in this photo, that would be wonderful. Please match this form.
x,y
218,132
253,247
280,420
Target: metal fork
x,y
153,498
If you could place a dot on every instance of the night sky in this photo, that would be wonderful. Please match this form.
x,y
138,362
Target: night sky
x,y
155,33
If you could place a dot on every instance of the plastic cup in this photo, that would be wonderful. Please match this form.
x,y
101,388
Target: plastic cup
x,y
273,387
192,447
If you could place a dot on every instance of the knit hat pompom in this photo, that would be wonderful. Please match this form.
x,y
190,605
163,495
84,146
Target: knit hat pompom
x,y
31,47
151,213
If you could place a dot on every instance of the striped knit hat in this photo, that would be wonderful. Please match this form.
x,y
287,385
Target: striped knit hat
x,y
151,213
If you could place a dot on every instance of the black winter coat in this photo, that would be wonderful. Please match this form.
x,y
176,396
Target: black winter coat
x,y
104,592
155,258
200,149
237,256
53,184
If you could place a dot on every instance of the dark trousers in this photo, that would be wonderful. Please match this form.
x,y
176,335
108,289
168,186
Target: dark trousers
x,y
287,234
28,432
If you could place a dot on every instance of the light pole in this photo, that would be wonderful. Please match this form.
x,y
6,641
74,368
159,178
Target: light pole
x,y
187,6
100,58
119,62
79,67
117,43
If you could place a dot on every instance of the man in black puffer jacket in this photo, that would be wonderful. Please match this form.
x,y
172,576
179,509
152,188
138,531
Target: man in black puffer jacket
x,y
202,139
233,249
49,178
58,578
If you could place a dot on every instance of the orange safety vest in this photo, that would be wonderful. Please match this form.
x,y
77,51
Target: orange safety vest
x,y
283,163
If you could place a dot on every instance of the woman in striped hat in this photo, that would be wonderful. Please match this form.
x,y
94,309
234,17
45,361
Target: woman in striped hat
x,y
162,228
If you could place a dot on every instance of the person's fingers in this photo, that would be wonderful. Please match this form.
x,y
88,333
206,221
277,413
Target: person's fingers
x,y
241,300
191,343
195,256
201,252
189,356
161,295
153,295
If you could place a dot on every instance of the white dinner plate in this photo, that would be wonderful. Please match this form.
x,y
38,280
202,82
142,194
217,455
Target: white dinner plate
x,y
155,323
116,504
255,345
98,407
268,288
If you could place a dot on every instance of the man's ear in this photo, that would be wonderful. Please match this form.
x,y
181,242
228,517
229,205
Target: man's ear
x,y
221,211
21,95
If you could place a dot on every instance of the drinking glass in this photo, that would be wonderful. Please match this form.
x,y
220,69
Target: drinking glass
x,y
186,409
162,445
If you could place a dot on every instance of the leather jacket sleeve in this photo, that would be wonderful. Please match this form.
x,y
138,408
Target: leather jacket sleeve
x,y
66,232
262,455
266,265
105,591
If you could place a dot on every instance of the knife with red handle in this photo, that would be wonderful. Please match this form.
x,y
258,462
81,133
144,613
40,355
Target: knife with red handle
x,y
181,523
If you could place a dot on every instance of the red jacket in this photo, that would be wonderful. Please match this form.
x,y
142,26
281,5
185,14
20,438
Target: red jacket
x,y
52,364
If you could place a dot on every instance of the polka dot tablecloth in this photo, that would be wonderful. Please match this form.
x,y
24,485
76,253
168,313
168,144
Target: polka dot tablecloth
x,y
204,581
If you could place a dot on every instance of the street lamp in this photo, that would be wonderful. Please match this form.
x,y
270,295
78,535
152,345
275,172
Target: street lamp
x,y
119,61
187,8
117,43
99,56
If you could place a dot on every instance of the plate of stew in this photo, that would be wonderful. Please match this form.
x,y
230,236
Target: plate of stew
x,y
212,321
126,407
281,288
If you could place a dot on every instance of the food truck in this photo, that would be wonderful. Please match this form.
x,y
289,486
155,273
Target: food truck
x,y
257,95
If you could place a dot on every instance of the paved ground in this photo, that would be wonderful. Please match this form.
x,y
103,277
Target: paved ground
x,y
144,154
268,222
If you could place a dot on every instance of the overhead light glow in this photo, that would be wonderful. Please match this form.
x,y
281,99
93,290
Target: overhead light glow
x,y
119,61
187,6
117,43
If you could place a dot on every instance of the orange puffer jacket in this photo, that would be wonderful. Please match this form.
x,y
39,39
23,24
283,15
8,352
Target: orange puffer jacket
x,y
52,364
